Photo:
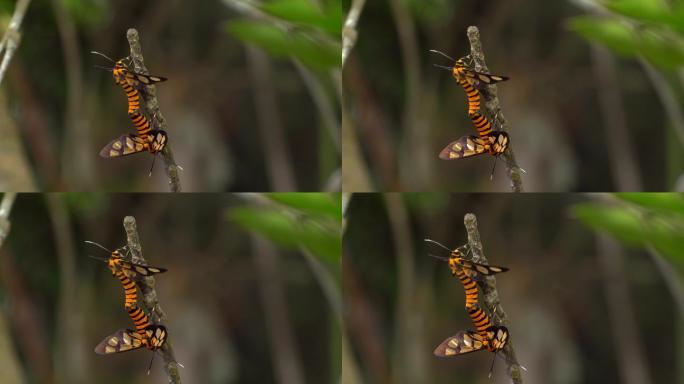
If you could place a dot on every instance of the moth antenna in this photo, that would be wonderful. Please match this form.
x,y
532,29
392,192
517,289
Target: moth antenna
x,y
101,67
491,175
491,368
97,258
435,242
511,362
98,245
439,257
443,67
442,53
149,368
152,167
103,55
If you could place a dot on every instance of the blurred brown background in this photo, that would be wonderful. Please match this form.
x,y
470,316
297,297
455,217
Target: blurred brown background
x,y
239,119
240,308
582,118
582,308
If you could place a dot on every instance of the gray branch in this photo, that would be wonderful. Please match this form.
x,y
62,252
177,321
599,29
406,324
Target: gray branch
x,y
493,108
10,40
492,304
149,294
349,32
5,209
152,107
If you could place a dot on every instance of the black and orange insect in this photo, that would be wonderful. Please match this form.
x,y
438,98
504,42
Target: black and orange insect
x,y
145,139
486,336
469,79
494,143
145,334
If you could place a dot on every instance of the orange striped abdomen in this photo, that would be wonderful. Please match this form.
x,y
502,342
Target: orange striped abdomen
x,y
469,286
471,92
479,318
483,126
141,123
139,318
130,290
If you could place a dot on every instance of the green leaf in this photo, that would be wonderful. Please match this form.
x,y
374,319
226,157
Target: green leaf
x,y
612,33
664,202
622,223
311,51
665,50
317,204
290,232
304,12
642,10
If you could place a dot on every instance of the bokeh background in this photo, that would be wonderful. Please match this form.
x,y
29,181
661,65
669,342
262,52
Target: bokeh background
x,y
251,293
594,100
252,100
594,292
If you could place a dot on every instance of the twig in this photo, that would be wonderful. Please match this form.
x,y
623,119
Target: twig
x,y
630,353
70,350
668,98
150,301
493,108
152,106
411,362
491,296
326,110
620,151
10,40
349,32
5,209
277,155
283,344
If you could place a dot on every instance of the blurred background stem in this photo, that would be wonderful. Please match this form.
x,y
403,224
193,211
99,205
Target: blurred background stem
x,y
623,162
631,358
283,346
271,131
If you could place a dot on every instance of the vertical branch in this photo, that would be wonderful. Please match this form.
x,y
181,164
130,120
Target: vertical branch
x,y
78,143
283,349
5,209
493,107
410,363
620,151
492,303
71,359
271,130
349,32
152,107
10,40
150,301
631,359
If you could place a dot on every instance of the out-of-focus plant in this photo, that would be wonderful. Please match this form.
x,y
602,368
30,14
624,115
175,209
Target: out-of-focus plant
x,y
299,29
641,219
311,221
652,29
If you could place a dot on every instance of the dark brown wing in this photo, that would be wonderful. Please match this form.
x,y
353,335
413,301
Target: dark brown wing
x,y
131,144
123,340
494,143
459,344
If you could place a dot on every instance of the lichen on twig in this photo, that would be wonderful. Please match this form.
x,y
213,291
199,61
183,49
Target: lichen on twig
x,y
490,295
152,106
149,294
493,108
349,32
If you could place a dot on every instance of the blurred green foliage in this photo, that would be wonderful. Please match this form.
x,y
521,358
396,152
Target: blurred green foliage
x,y
302,30
308,220
640,219
87,12
649,28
